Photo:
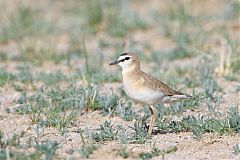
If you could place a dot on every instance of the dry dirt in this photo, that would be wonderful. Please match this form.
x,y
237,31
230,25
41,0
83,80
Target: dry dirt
x,y
210,146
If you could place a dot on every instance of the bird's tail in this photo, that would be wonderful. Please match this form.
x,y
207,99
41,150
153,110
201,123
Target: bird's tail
x,y
182,96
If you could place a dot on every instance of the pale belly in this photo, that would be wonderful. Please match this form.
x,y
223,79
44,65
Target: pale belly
x,y
143,95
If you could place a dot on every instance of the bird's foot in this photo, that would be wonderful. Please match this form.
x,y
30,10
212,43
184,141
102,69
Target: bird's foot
x,y
154,131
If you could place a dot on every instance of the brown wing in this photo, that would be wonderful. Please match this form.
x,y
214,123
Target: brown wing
x,y
158,85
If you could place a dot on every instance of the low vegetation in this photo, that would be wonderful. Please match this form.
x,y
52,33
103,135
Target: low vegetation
x,y
60,100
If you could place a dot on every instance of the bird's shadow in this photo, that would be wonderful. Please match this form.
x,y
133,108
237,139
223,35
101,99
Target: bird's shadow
x,y
158,131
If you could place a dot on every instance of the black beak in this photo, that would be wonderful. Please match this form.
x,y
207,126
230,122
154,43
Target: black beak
x,y
113,63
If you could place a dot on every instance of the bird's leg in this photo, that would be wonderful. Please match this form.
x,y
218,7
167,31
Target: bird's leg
x,y
153,119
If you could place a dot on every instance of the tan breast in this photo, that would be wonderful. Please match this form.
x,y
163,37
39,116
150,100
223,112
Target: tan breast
x,y
136,89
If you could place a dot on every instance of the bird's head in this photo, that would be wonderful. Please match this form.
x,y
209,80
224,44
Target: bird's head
x,y
127,61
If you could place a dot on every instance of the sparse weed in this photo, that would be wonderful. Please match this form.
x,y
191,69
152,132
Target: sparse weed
x,y
47,149
58,108
37,54
90,98
155,152
3,56
33,106
235,57
56,118
200,124
94,14
13,141
112,17
51,78
122,136
87,72
179,52
50,109
102,76
108,105
28,48
206,80
4,77
176,18
236,149
17,155
12,148
233,119
238,88
125,111
123,153
25,75
119,26
106,132
87,150
2,144
231,10
183,105
228,65
23,22
140,132
145,155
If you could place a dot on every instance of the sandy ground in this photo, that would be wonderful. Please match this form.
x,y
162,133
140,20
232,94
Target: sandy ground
x,y
210,146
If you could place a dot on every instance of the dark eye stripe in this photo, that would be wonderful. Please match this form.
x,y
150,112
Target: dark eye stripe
x,y
124,54
122,60
127,58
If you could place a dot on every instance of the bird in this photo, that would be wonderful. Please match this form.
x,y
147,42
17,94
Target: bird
x,y
143,88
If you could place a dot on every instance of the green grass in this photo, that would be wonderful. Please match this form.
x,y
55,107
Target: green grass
x,y
25,77
54,108
199,125
178,53
176,18
23,22
94,14
231,10
48,149
4,77
123,153
112,17
235,61
205,78
3,56
155,152
58,108
125,111
119,26
106,133
91,33
36,55
94,72
17,155
87,150
140,133
13,148
236,149
51,78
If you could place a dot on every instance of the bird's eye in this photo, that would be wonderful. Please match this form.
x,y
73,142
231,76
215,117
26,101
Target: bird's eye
x,y
127,58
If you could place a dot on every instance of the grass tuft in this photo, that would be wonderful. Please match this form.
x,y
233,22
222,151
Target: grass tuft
x,y
23,22
87,150
155,152
236,149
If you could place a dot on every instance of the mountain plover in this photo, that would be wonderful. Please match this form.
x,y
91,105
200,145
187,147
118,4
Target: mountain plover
x,y
143,88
